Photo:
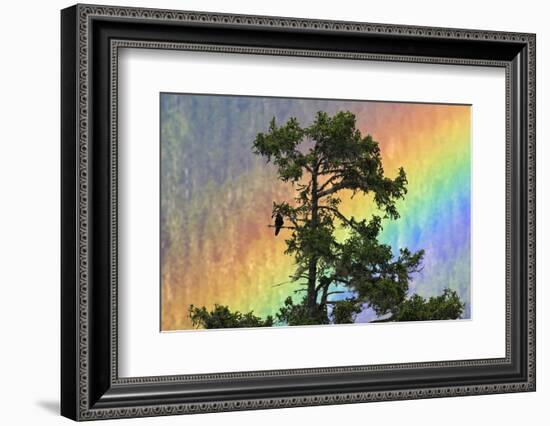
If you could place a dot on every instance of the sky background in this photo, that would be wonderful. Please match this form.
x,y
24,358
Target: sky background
x,y
217,196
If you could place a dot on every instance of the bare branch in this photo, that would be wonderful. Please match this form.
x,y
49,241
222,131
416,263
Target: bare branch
x,y
304,276
342,280
340,215
329,181
332,190
285,227
331,171
324,295
293,220
283,283
324,286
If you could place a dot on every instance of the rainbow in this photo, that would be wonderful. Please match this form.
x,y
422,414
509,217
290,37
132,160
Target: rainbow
x,y
216,198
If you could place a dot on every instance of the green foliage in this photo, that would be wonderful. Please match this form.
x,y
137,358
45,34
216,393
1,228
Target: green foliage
x,y
279,146
446,306
370,270
299,314
345,311
222,317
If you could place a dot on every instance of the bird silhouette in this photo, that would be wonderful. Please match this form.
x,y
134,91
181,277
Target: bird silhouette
x,y
279,222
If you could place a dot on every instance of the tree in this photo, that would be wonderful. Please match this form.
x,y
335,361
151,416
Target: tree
x,y
445,306
323,161
222,317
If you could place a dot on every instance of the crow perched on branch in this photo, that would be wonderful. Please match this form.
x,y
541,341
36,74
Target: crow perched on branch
x,y
279,222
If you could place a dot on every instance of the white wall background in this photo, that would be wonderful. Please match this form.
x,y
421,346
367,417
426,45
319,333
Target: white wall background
x,y
29,212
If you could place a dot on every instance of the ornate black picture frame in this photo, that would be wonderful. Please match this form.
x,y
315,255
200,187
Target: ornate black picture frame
x,y
91,387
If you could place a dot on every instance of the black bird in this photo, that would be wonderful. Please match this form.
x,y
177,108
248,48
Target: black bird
x,y
279,222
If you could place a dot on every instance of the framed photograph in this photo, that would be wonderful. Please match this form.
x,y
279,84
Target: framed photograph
x,y
263,212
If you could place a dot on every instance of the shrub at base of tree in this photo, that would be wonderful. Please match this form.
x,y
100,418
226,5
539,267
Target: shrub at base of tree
x,y
222,317
416,308
323,161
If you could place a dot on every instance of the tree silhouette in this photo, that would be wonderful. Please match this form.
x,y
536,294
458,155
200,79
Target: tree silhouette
x,y
323,161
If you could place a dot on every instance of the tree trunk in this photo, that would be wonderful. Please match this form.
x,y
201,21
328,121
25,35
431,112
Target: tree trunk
x,y
312,270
